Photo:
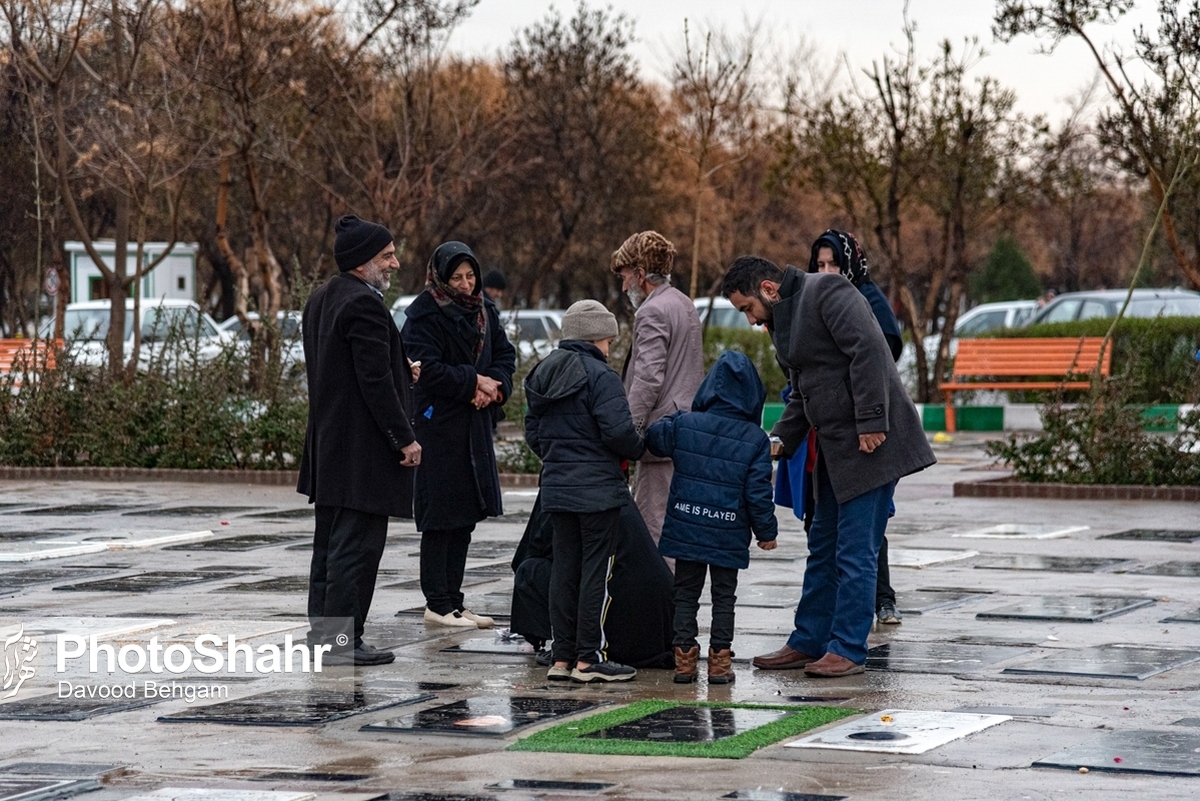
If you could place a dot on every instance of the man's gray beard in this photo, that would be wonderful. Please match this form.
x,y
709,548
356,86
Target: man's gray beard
x,y
380,280
636,296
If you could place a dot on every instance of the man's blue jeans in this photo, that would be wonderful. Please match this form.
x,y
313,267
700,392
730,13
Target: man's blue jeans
x,y
837,604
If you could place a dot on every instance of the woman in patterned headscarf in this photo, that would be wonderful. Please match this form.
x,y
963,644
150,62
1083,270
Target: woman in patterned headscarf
x,y
467,366
839,252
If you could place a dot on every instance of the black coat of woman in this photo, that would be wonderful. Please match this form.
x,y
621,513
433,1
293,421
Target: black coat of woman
x,y
456,485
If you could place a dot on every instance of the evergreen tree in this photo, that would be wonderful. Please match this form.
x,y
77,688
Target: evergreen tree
x,y
1006,274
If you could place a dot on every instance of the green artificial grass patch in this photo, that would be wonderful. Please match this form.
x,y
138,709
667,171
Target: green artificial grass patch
x,y
567,738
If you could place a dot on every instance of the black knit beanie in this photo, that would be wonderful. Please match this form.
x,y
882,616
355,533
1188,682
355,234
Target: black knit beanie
x,y
358,241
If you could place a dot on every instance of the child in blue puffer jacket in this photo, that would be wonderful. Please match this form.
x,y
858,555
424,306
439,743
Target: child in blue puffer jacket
x,y
721,493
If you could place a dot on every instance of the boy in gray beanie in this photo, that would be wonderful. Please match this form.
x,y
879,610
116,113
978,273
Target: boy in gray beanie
x,y
579,425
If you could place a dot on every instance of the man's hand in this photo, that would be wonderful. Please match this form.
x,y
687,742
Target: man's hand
x,y
415,369
412,454
768,546
867,443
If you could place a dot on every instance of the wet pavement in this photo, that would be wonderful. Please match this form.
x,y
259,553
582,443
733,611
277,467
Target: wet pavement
x,y
1058,635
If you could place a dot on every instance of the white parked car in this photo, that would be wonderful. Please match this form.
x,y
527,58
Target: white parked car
x,y
533,332
289,332
85,327
722,312
398,307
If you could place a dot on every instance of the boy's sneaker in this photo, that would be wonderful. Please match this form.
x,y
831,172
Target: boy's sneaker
x,y
720,667
887,614
557,673
603,671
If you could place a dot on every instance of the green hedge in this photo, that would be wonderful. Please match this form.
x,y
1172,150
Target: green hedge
x,y
1156,357
753,342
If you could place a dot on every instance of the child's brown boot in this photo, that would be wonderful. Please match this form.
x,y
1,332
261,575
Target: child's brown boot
x,y
720,667
685,664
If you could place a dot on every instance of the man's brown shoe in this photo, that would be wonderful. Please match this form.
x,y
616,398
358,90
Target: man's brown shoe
x,y
832,666
784,659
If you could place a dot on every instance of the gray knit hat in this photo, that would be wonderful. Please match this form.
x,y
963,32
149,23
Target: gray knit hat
x,y
589,321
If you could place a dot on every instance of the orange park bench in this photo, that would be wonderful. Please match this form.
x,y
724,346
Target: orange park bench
x,y
1024,364
20,353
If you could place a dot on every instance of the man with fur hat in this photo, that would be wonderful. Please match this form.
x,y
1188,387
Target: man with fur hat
x,y
666,361
359,450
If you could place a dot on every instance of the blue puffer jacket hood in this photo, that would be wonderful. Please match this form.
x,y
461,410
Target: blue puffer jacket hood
x,y
721,492
732,388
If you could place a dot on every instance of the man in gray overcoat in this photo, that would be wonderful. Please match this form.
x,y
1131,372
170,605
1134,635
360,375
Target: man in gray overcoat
x,y
844,384
666,361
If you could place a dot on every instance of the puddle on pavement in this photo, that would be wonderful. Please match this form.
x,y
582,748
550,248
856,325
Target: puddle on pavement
x,y
1161,534
1056,564
550,785
310,776
242,542
1012,711
484,715
148,582
90,509
289,584
302,513
1079,609
308,707
1168,753
493,645
60,770
1185,569
1107,662
925,557
920,602
192,511
935,657
690,724
1022,531
1184,617
780,795
20,788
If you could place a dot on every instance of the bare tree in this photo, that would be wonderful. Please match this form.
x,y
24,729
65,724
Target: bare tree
x,y
109,106
715,96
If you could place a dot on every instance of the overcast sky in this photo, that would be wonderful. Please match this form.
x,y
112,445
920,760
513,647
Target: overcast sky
x,y
862,30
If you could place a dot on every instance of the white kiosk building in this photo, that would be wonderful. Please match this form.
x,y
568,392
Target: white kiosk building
x,y
175,277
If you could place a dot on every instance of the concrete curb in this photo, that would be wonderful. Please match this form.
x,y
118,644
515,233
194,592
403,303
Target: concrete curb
x,y
1007,488
270,478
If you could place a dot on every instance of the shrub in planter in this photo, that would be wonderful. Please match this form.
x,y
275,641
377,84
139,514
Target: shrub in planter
x,y
1103,441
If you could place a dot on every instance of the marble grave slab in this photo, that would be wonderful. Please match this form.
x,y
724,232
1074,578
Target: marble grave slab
x,y
926,557
1067,609
919,602
242,542
1107,662
1022,531
1170,753
1182,569
900,731
1159,534
148,582
29,788
492,715
306,707
938,657
1054,564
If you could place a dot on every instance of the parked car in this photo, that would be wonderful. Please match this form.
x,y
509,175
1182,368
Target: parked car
x,y
993,316
85,327
723,314
1107,302
534,332
398,306
289,331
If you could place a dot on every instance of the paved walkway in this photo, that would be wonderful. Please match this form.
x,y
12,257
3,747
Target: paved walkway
x,y
942,659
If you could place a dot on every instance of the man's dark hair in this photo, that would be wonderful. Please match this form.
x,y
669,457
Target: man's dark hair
x,y
495,280
747,273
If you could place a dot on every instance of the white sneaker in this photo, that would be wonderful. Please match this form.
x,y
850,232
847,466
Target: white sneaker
x,y
453,619
482,621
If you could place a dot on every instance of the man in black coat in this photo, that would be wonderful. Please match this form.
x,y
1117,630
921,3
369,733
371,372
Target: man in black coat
x,y
359,450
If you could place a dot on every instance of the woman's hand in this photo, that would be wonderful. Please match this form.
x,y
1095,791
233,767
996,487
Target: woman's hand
x,y
487,391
